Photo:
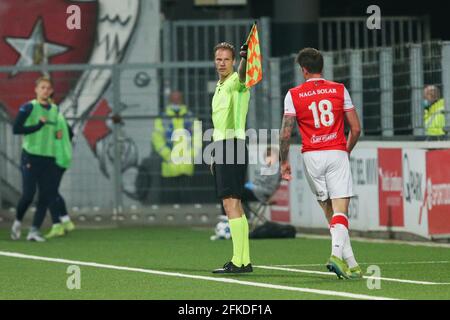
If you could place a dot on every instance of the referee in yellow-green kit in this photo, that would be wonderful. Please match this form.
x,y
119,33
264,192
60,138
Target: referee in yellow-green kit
x,y
229,113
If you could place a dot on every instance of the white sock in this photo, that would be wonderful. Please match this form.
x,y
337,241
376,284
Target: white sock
x,y
17,224
34,230
338,236
348,255
65,218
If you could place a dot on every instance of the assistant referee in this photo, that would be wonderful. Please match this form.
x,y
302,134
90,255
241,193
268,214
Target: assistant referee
x,y
229,113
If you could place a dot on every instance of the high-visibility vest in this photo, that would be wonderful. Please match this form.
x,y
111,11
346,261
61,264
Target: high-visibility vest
x,y
165,147
63,146
434,119
41,142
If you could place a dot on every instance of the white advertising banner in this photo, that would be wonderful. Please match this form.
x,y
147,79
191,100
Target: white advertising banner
x,y
363,211
390,187
364,206
414,182
305,210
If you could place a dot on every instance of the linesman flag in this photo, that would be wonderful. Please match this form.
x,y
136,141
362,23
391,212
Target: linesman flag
x,y
254,65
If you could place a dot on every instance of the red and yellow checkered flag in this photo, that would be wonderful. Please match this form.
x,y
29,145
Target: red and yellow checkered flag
x,y
254,65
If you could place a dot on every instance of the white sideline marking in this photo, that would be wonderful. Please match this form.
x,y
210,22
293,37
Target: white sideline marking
x,y
370,240
189,276
363,263
365,277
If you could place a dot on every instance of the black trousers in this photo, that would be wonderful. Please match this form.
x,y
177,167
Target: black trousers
x,y
38,173
58,206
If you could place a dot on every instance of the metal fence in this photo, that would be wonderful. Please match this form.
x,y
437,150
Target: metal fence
x,y
386,85
192,41
115,168
340,33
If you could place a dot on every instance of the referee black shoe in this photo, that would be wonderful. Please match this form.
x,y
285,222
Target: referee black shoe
x,y
228,267
248,268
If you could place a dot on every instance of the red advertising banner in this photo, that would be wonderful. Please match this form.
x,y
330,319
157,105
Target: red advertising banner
x,y
279,211
437,195
390,187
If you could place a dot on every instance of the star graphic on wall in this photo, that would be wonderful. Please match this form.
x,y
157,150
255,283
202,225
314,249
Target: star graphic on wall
x,y
34,50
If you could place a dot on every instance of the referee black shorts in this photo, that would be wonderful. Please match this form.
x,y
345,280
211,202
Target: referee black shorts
x,y
230,167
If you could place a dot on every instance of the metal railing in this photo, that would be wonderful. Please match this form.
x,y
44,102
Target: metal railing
x,y
340,33
110,159
386,85
115,166
194,40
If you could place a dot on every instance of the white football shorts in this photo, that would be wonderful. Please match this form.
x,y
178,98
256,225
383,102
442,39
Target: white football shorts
x,y
328,174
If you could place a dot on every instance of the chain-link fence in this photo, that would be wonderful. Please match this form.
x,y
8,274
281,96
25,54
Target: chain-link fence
x,y
117,167
340,33
387,85
118,163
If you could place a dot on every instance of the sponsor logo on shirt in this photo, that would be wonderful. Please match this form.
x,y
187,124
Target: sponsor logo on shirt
x,y
323,138
315,92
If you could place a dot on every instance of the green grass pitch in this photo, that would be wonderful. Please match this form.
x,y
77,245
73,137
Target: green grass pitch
x,y
163,263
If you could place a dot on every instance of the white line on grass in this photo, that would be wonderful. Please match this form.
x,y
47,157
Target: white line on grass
x,y
364,263
190,276
370,240
366,277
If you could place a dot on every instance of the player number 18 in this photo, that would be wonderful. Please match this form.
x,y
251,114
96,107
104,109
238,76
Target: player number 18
x,y
326,117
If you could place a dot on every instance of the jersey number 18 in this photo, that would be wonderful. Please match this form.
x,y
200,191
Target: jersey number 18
x,y
326,117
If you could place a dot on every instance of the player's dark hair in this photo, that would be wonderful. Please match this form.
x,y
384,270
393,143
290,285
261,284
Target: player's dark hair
x,y
226,46
311,59
44,78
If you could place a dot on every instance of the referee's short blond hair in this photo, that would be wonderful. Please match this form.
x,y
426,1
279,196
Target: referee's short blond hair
x,y
225,46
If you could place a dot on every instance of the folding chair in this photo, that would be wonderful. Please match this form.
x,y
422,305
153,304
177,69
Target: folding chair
x,y
258,213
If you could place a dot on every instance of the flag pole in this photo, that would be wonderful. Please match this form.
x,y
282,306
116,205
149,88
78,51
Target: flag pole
x,y
251,29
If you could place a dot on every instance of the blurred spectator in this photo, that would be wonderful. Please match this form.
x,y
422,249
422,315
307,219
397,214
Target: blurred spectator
x,y
175,173
434,108
263,187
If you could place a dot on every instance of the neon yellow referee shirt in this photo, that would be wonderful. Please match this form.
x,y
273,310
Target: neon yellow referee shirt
x,y
229,108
